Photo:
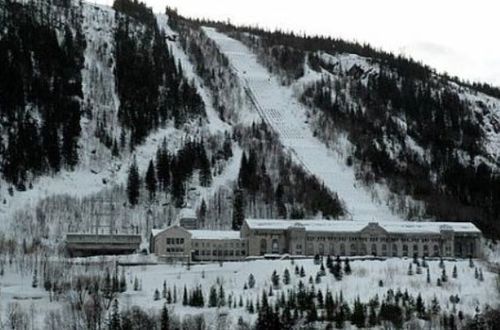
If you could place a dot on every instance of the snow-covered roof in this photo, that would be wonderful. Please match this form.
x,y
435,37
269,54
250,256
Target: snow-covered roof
x,y
204,234
187,213
155,232
356,226
214,234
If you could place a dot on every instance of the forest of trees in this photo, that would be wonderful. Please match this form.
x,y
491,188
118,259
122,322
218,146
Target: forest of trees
x,y
171,173
151,86
40,93
463,191
211,65
269,178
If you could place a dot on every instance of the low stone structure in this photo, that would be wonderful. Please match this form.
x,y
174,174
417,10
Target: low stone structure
x,y
179,244
83,245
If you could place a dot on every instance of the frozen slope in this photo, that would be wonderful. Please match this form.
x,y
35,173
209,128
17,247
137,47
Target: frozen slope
x,y
278,106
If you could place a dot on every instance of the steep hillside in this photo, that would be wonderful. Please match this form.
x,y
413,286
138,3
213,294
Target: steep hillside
x,y
144,129
424,144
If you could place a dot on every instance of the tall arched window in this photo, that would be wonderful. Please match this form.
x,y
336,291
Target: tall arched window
x,y
405,250
275,246
321,249
394,250
384,250
436,250
332,249
363,249
374,249
354,249
263,246
342,249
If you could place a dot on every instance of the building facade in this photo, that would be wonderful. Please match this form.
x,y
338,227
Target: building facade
x,y
260,237
352,238
187,219
178,243
84,244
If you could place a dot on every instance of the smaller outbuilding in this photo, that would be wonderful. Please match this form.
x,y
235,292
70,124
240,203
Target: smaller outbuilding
x,y
176,243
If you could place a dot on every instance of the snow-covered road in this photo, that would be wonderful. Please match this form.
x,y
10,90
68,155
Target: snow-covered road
x,y
281,109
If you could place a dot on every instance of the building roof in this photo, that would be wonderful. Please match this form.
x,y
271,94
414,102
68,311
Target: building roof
x,y
155,232
215,234
405,227
203,234
187,213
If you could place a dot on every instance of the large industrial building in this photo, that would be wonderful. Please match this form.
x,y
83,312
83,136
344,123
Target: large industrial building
x,y
260,237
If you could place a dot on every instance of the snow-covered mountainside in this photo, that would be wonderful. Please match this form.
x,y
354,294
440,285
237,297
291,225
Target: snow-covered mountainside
x,y
282,111
391,137
160,127
321,111
120,120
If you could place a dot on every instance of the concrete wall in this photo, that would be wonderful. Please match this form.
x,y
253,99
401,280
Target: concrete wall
x,y
382,244
173,242
80,245
220,249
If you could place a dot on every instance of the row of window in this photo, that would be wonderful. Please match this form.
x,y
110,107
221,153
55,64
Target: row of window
x,y
220,253
363,250
371,239
175,250
175,240
218,244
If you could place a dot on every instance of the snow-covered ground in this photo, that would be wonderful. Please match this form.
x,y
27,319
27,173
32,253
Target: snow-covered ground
x,y
15,285
279,107
362,283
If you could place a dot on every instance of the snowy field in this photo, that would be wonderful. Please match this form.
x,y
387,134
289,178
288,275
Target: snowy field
x,y
363,282
279,107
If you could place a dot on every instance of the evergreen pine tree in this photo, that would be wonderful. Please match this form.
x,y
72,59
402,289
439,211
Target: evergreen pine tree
x,y
205,170
156,295
151,180
115,320
420,307
185,297
454,274
286,277
238,210
358,315
337,269
212,298
275,279
435,307
322,271
347,266
136,284
164,319
222,296
123,281
372,316
34,283
251,281
133,183
444,277
164,290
